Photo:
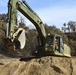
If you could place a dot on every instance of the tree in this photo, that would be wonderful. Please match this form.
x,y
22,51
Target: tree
x,y
3,17
72,25
64,28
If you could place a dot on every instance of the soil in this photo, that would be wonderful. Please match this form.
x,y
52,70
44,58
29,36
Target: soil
x,y
48,65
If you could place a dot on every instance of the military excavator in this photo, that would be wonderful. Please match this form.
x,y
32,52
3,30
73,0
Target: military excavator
x,y
48,44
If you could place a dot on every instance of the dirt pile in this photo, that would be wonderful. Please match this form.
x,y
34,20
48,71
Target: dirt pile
x,y
41,66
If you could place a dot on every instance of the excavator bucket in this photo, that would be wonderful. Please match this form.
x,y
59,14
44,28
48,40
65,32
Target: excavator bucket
x,y
22,39
18,42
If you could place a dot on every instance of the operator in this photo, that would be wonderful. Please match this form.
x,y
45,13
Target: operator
x,y
56,45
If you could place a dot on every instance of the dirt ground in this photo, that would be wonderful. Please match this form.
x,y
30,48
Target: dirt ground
x,y
41,66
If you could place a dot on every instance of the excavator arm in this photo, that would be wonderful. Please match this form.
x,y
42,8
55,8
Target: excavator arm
x,y
24,8
34,18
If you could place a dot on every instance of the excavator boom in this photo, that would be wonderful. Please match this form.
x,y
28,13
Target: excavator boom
x,y
25,9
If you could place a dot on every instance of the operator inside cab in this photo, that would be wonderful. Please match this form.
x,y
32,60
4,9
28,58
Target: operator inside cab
x,y
56,44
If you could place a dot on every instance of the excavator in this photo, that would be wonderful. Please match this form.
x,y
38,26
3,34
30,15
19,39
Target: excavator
x,y
48,44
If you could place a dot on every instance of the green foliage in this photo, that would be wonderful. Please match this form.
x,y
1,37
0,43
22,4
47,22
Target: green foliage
x,y
3,17
73,47
2,35
69,27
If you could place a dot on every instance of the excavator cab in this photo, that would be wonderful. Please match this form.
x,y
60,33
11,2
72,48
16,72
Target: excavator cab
x,y
54,46
54,43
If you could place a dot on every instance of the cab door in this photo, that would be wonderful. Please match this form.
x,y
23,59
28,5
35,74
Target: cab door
x,y
59,44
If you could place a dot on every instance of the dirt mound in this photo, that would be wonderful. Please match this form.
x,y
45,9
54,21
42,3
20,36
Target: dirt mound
x,y
41,66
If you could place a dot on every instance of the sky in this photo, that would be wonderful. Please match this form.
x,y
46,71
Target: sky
x,y
52,12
